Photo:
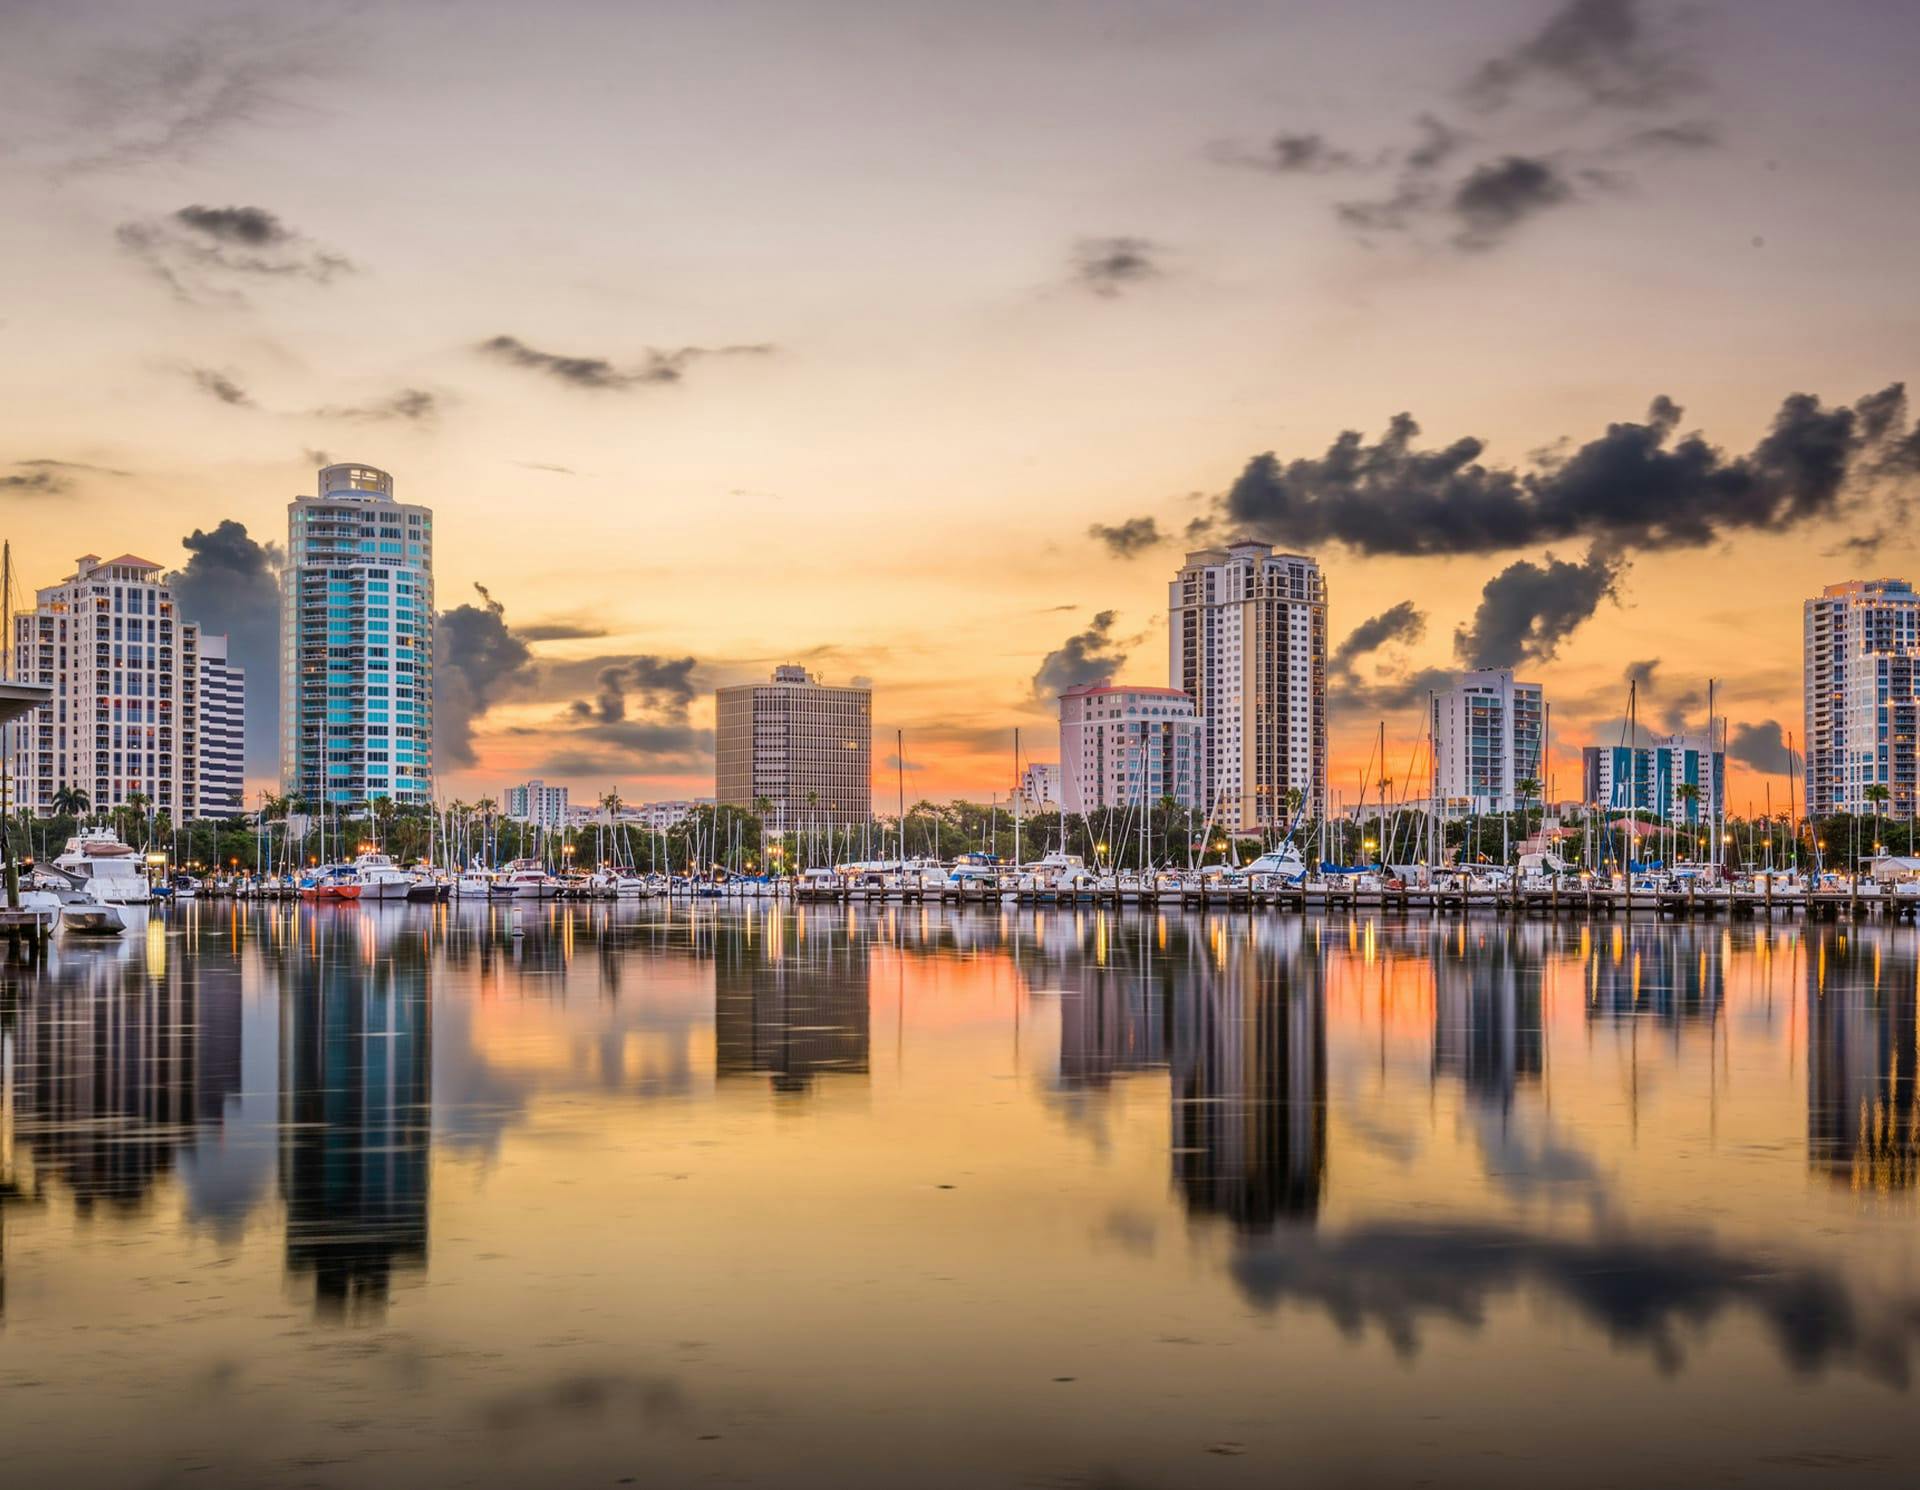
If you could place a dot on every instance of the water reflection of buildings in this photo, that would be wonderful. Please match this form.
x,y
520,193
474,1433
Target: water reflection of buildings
x,y
1676,974
788,1006
1487,1026
1249,1082
1863,1123
117,1061
356,1052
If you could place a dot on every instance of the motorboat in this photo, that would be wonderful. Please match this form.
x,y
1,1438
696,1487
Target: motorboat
x,y
973,879
333,883
525,879
1276,867
186,887
425,885
97,858
380,878
817,884
473,884
84,915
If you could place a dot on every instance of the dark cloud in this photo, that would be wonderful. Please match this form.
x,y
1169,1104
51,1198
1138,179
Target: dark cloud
x,y
1636,485
254,227
658,367
1091,656
1439,141
1371,698
657,688
1404,622
1527,610
1497,197
560,629
475,660
1764,747
1647,1293
219,385
70,465
231,585
33,479
200,252
141,105
1129,539
1310,154
1641,674
1107,266
1602,50
411,405
1687,134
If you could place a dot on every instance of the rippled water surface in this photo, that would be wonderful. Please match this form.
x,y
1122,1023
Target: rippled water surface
x,y
393,1196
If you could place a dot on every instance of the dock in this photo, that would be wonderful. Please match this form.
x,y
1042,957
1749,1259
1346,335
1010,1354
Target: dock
x,y
1852,903
26,932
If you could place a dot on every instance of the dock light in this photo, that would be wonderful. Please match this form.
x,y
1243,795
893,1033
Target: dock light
x,y
1367,843
156,858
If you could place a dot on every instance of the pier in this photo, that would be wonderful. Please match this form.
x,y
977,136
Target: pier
x,y
1852,903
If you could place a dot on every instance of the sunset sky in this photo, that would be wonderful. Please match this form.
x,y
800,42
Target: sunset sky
x,y
908,340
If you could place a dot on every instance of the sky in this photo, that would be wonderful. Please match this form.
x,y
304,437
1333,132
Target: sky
x,y
917,342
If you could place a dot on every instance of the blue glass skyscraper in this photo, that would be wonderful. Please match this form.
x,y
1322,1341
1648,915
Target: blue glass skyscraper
x,y
356,640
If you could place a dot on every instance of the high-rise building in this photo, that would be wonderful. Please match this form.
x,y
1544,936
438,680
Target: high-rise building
x,y
1649,778
1488,735
803,746
356,643
1128,747
223,730
1248,637
1862,687
1039,787
124,668
537,804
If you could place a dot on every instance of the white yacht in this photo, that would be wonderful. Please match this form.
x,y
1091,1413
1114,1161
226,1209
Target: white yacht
x,y
1282,865
525,879
94,857
473,884
380,878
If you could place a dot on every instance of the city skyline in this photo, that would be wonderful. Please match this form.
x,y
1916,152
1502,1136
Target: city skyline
x,y
941,417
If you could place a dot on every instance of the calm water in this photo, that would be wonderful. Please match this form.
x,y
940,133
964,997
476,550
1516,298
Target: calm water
x,y
357,1197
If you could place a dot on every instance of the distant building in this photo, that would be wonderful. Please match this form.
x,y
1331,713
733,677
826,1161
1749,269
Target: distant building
x,y
223,730
1129,747
653,817
124,668
1862,693
1488,736
801,745
356,642
537,805
1039,787
1648,778
1248,643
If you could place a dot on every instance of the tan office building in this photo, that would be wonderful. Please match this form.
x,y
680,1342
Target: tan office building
x,y
802,745
1248,629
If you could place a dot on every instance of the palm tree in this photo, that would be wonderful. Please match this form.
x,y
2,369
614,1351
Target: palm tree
x,y
382,809
1878,795
71,801
1689,796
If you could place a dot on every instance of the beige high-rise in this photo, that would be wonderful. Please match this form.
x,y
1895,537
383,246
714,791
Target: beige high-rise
x,y
1248,638
804,746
